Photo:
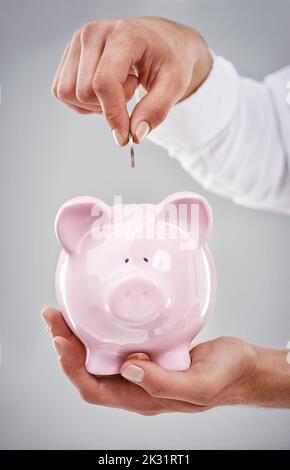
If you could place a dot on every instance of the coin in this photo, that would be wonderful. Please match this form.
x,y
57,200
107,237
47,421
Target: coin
x,y
132,152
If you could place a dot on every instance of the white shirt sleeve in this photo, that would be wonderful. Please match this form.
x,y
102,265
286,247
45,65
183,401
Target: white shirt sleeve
x,y
233,136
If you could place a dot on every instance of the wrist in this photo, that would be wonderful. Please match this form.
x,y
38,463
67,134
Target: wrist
x,y
271,384
202,66
265,380
239,392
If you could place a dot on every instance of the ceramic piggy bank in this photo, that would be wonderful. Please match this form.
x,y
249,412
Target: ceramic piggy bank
x,y
135,278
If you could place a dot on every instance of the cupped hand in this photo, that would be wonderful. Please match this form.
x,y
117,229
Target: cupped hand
x,y
220,374
106,60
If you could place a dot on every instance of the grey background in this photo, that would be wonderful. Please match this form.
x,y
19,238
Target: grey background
x,y
49,154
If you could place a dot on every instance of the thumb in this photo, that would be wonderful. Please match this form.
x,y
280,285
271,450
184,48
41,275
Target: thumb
x,y
153,108
159,382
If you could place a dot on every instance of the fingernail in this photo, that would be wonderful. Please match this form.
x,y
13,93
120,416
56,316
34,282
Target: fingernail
x,y
117,136
142,130
57,347
133,373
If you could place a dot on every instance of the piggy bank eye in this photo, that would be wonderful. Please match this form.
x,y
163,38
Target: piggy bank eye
x,y
161,260
126,260
146,260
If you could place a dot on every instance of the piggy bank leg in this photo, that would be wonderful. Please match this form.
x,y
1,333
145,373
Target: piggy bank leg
x,y
177,359
101,362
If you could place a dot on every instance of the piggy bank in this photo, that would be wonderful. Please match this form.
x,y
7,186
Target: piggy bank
x,y
135,278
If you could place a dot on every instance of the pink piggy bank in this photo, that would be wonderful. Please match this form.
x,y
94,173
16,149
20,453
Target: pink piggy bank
x,y
135,278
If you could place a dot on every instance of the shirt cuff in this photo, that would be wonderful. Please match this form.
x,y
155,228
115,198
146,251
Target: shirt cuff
x,y
203,115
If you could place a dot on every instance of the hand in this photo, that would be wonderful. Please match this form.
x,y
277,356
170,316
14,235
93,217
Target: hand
x,y
106,61
221,373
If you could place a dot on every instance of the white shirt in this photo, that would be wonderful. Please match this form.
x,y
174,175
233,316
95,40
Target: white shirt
x,y
233,136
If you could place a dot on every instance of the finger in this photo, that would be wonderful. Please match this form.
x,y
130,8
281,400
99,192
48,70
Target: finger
x,y
80,110
68,75
72,357
140,356
108,391
130,86
66,86
92,42
153,108
58,327
125,395
161,383
72,364
55,322
58,71
108,85
83,110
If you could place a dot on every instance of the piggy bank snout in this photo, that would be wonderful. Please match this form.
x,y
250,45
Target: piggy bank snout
x,y
137,302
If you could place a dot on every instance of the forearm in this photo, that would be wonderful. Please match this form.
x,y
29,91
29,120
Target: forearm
x,y
268,385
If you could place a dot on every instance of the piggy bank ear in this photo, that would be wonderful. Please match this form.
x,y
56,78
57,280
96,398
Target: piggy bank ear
x,y
190,211
76,218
